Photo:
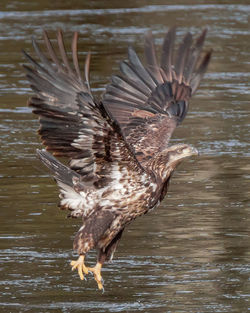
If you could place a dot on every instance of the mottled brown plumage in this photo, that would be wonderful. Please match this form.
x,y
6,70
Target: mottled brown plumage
x,y
120,161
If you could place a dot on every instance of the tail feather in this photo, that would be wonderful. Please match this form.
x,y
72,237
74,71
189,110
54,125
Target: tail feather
x,y
61,172
72,191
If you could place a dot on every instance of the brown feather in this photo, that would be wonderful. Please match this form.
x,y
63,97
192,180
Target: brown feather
x,y
75,56
86,70
51,51
165,92
167,53
152,64
63,52
182,56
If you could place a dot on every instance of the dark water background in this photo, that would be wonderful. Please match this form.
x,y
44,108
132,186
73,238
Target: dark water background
x,y
192,253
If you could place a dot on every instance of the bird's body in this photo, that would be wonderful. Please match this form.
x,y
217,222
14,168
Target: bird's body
x,y
120,162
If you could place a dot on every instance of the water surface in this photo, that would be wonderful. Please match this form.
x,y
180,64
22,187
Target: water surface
x,y
189,255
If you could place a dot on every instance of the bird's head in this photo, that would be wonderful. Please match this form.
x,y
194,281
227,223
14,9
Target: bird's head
x,y
179,152
167,160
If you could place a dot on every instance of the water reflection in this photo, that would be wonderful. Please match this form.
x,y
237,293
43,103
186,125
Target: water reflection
x,y
191,254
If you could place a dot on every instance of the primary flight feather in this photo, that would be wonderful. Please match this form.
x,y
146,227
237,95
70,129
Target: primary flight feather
x,y
120,161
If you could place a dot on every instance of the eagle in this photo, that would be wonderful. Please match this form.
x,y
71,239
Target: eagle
x,y
119,161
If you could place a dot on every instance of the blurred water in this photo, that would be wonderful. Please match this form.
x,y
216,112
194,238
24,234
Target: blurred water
x,y
189,255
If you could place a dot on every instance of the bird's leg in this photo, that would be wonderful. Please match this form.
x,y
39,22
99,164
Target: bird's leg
x,y
103,256
79,264
96,270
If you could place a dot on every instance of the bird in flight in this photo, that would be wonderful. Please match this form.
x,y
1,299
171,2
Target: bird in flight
x,y
119,158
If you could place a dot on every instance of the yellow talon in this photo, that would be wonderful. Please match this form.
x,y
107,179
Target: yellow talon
x,y
96,270
79,264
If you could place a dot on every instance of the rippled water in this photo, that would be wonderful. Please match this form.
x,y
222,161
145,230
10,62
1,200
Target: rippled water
x,y
189,255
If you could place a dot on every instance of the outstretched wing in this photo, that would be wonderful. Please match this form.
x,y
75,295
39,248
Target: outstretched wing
x,y
72,124
148,102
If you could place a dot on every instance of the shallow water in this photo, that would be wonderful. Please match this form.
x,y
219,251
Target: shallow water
x,y
189,255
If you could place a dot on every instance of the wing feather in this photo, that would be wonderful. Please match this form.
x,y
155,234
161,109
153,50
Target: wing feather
x,y
151,60
148,102
73,124
130,87
140,71
168,53
75,57
182,56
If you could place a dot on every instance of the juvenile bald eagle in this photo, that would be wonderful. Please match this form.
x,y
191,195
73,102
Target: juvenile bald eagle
x,y
120,161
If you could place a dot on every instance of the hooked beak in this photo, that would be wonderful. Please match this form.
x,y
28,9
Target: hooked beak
x,y
194,151
189,151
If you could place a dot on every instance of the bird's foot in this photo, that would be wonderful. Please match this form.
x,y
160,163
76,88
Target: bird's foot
x,y
96,270
80,266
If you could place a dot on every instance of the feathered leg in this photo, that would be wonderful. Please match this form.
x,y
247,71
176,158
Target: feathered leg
x,y
103,256
87,238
